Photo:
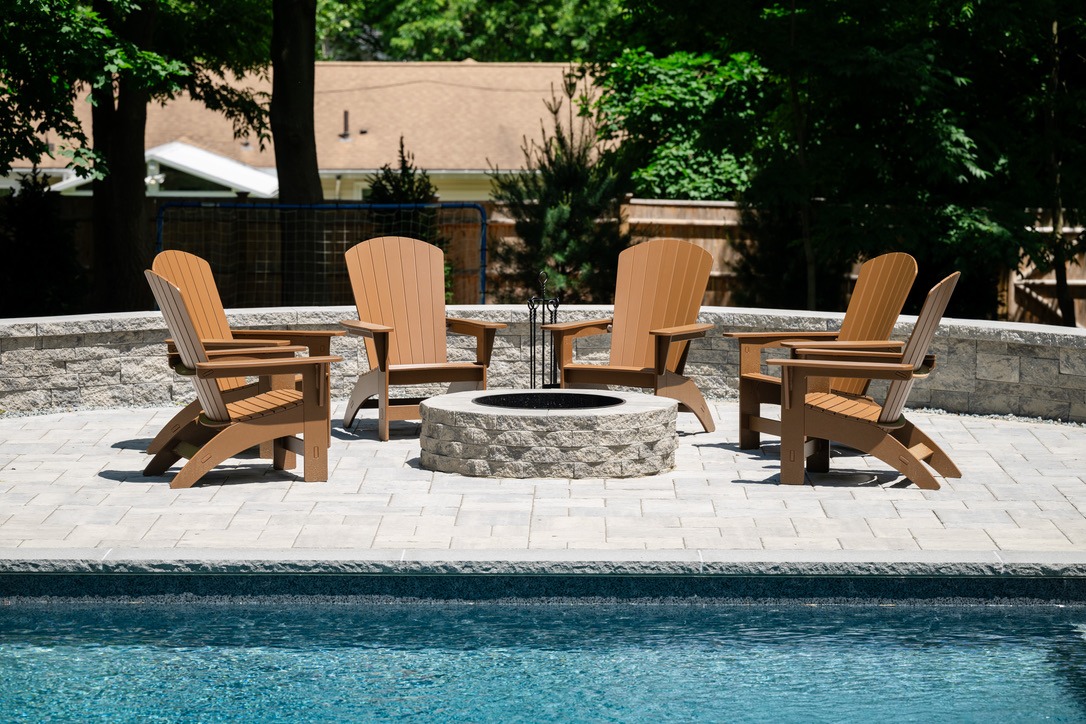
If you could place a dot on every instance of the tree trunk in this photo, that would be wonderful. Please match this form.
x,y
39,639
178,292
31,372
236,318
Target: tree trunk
x,y
1064,301
294,33
122,242
799,118
293,57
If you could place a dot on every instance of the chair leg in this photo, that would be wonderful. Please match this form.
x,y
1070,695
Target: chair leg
x,y
750,407
793,437
884,445
184,416
316,439
683,389
909,435
819,460
192,435
365,388
225,443
282,458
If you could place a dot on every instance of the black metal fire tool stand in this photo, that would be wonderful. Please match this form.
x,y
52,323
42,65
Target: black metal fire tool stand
x,y
538,308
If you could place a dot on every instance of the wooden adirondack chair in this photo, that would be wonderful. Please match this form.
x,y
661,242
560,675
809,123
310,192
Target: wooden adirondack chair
x,y
224,429
192,275
811,413
881,288
658,293
399,291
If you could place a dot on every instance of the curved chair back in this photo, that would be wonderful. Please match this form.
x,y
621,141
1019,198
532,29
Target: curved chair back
x,y
881,288
192,275
917,346
400,282
187,340
660,283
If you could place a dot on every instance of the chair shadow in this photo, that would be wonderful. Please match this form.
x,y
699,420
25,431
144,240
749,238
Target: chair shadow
x,y
220,476
139,443
836,477
365,428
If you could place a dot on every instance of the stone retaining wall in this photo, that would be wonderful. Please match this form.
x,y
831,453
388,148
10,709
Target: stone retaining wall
x,y
96,361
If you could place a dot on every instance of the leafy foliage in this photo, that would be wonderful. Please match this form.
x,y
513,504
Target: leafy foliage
x,y
405,184
506,30
49,50
565,205
852,127
666,111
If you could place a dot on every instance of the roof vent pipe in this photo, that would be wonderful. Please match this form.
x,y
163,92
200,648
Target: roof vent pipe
x,y
346,126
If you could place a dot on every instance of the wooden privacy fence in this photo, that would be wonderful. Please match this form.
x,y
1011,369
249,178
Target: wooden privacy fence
x,y
712,225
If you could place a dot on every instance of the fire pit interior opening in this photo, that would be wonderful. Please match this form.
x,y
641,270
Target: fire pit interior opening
x,y
548,400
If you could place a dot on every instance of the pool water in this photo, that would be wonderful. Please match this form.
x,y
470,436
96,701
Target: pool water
x,y
506,663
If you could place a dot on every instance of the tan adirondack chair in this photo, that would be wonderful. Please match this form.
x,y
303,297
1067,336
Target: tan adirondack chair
x,y
223,429
811,413
399,291
192,275
881,288
658,293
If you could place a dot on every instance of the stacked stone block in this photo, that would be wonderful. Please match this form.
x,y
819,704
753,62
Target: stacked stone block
x,y
95,361
634,439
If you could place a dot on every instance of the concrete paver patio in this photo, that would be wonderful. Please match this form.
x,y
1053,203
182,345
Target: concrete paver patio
x,y
71,489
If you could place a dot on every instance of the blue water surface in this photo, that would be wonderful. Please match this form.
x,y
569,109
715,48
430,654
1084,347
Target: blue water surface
x,y
302,662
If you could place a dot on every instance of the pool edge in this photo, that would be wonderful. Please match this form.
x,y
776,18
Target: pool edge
x,y
973,577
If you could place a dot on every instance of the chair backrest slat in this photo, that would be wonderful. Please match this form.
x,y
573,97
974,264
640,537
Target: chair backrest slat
x,y
189,347
660,283
192,275
881,289
400,282
917,346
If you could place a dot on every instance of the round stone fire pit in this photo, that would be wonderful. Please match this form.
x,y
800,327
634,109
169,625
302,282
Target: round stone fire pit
x,y
548,434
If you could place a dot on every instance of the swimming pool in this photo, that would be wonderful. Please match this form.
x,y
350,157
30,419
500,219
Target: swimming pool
x,y
578,662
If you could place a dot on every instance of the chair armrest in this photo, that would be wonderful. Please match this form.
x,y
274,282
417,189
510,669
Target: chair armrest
x,y
482,331
563,334
683,332
584,328
751,345
796,372
666,336
258,367
844,368
256,352
210,344
366,329
865,344
378,333
847,355
775,338
319,341
471,326
287,333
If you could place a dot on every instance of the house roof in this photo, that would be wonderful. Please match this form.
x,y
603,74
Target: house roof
x,y
453,116
205,165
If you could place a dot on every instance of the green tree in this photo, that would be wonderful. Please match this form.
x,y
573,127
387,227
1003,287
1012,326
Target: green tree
x,y
666,112
205,43
1027,61
848,123
405,184
47,49
507,30
125,55
565,204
